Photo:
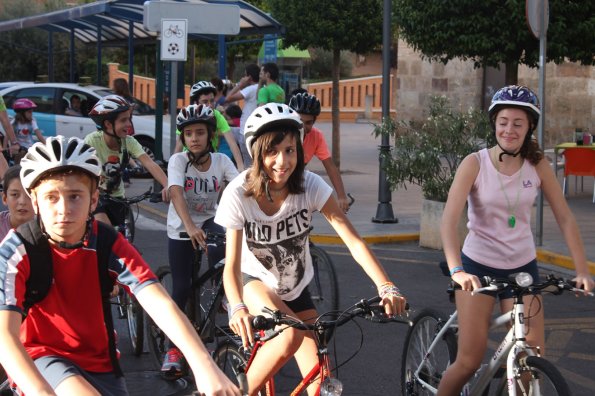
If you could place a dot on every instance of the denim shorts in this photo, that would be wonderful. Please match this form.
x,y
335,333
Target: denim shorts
x,y
479,270
302,303
56,369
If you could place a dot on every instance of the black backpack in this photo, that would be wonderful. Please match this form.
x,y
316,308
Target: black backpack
x,y
41,274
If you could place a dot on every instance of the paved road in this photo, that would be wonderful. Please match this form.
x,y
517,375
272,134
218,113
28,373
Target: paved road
x,y
375,370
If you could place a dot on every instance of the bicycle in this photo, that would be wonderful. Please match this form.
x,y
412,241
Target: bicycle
x,y
431,346
127,306
324,287
234,360
204,303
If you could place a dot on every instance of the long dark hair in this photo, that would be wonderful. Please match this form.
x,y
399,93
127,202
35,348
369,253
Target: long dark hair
x,y
257,180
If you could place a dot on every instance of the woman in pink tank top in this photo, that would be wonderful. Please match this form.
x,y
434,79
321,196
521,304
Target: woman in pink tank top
x,y
500,184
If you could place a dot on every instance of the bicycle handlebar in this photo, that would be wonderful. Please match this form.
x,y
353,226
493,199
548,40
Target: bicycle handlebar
x,y
211,236
133,200
369,309
552,284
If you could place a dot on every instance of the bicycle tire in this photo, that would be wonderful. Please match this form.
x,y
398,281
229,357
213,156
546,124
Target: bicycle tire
x,y
136,323
230,358
156,338
549,379
324,287
131,224
419,338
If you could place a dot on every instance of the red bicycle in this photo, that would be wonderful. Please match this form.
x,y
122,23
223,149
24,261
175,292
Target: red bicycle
x,y
235,360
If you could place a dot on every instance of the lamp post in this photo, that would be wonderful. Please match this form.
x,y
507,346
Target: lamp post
x,y
384,211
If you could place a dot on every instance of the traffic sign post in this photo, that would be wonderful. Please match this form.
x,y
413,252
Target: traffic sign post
x,y
174,39
538,14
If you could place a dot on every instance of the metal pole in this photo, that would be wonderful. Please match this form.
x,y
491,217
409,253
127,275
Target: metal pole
x,y
384,212
72,61
222,56
542,61
173,104
131,56
158,104
98,79
51,56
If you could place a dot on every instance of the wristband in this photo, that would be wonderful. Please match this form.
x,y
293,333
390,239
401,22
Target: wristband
x,y
238,307
456,269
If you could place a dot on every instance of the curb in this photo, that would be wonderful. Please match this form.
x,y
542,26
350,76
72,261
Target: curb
x,y
544,256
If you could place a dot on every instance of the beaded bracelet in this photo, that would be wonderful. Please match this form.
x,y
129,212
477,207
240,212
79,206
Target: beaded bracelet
x,y
388,289
456,269
238,307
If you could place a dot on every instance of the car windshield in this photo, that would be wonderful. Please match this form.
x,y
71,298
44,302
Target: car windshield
x,y
140,107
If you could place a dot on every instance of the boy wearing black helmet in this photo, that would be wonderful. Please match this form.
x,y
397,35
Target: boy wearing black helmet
x,y
308,108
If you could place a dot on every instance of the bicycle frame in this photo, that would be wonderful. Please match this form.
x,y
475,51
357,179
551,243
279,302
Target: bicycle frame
x,y
511,346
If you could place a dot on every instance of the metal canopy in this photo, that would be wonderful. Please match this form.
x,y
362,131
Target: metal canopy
x,y
110,20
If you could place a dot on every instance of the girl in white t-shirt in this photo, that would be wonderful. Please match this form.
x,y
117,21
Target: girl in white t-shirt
x,y
267,211
195,180
24,123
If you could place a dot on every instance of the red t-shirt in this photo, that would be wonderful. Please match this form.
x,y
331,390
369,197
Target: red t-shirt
x,y
69,321
314,144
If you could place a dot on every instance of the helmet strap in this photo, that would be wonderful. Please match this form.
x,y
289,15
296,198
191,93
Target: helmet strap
x,y
66,245
506,152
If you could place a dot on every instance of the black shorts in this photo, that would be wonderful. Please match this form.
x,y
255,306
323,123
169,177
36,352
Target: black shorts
x,y
56,369
115,211
479,270
302,303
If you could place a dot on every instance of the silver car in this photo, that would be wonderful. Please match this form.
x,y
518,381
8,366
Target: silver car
x,y
53,99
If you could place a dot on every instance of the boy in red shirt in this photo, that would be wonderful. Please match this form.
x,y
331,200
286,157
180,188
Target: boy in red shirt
x,y
62,345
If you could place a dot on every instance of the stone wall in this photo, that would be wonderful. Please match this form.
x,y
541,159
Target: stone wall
x,y
570,91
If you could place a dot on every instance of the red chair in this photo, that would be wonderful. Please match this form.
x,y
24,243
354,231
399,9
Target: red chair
x,y
579,161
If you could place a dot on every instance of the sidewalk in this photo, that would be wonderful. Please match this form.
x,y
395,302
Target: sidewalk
x,y
359,169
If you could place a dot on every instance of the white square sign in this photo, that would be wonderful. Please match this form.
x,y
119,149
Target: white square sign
x,y
174,37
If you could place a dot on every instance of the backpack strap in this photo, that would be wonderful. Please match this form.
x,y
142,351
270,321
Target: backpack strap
x,y
40,260
106,236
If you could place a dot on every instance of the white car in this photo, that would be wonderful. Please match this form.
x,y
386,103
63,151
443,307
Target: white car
x,y
52,99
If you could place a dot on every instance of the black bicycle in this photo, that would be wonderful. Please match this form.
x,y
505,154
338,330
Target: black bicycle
x,y
126,304
324,287
205,303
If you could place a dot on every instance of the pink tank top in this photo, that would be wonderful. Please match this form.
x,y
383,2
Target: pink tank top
x,y
491,241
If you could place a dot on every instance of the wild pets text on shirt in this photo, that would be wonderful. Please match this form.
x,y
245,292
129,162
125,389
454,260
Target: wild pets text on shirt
x,y
294,224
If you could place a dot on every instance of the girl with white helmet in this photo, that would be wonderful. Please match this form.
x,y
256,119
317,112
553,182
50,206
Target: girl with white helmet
x,y
267,211
112,115
223,141
195,180
62,347
500,184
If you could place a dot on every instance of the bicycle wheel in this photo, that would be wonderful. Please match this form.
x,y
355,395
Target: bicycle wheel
x,y
230,358
135,319
432,363
323,288
536,376
130,224
156,338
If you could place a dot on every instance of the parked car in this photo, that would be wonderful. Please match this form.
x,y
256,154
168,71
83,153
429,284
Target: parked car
x,y
6,84
52,100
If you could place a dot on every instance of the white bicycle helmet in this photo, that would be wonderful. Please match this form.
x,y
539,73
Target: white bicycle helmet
x,y
57,152
202,87
267,117
194,114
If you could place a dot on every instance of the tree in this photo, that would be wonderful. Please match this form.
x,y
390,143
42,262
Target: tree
x,y
491,32
333,25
